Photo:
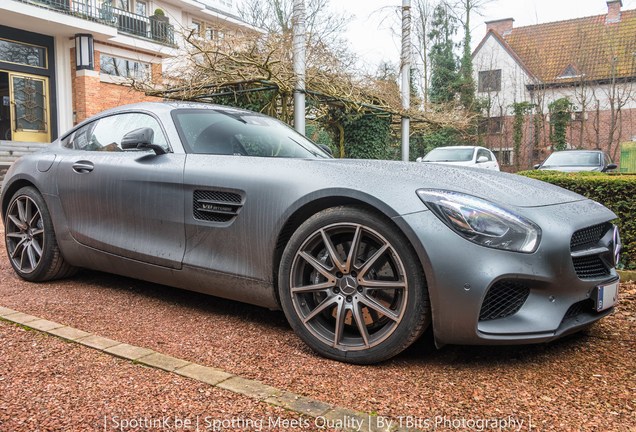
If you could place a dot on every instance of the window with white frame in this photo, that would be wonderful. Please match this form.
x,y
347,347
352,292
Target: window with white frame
x,y
117,66
141,8
504,155
206,30
491,125
122,4
489,81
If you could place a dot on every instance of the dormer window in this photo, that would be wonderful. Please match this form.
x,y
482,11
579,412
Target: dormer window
x,y
569,72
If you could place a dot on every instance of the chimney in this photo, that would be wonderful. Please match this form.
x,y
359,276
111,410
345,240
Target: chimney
x,y
502,26
613,11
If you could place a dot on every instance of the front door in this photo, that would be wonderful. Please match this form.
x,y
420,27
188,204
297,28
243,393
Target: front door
x,y
29,113
124,202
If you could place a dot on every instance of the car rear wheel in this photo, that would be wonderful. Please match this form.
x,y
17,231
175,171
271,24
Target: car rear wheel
x,y
351,286
30,239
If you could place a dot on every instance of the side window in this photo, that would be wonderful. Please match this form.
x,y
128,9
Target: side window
x,y
79,140
106,133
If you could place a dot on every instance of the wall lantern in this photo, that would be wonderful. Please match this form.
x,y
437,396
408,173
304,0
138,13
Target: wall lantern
x,y
84,51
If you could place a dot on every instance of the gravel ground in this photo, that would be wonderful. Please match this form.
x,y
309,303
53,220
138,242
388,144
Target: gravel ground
x,y
586,382
47,384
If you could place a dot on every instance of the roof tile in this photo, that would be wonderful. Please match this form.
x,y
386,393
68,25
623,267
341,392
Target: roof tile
x,y
589,46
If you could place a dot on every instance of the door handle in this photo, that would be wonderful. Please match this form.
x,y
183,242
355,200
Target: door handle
x,y
83,167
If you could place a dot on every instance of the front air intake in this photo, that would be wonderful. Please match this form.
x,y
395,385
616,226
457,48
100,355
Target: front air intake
x,y
503,299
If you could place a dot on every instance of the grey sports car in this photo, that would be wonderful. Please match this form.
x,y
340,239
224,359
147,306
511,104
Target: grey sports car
x,y
362,256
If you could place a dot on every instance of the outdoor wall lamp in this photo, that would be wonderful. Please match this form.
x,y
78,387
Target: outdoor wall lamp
x,y
84,51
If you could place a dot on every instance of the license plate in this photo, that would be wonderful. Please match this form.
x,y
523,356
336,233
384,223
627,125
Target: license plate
x,y
606,296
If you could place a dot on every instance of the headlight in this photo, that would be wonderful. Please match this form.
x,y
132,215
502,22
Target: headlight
x,y
481,221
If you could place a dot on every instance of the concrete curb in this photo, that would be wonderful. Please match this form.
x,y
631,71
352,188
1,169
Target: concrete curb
x,y
337,417
627,275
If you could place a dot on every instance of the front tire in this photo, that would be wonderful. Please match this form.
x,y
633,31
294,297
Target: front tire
x,y
30,239
352,287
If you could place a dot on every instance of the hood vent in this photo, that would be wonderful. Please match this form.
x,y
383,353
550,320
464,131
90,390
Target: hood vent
x,y
216,206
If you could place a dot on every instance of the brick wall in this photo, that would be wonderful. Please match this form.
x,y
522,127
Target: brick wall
x,y
590,131
91,95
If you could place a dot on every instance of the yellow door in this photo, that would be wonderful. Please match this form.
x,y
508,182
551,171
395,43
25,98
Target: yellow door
x,y
30,116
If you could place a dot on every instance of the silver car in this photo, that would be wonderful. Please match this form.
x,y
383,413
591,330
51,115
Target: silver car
x,y
362,256
578,160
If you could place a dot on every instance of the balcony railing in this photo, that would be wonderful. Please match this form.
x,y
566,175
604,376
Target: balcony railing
x,y
153,28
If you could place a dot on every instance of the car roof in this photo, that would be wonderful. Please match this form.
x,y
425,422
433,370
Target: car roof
x,y
578,151
158,107
171,105
460,147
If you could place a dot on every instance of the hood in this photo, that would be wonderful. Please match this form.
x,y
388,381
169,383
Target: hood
x,y
459,163
380,178
570,168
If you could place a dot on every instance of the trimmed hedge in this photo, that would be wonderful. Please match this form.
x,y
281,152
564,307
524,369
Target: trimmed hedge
x,y
615,191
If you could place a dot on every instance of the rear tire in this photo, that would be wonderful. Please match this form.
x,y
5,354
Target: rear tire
x,y
30,239
352,288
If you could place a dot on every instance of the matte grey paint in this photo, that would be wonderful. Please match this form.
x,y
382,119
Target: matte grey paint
x,y
130,213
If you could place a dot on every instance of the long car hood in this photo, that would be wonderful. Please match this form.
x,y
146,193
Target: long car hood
x,y
391,177
570,168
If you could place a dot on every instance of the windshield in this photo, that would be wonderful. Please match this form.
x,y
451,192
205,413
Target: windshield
x,y
574,158
233,132
449,155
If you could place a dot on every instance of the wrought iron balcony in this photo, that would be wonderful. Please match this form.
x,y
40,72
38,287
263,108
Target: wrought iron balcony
x,y
153,28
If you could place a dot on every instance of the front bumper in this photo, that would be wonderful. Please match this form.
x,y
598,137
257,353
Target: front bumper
x,y
553,300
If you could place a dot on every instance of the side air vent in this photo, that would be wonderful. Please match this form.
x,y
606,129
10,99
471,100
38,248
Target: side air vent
x,y
216,206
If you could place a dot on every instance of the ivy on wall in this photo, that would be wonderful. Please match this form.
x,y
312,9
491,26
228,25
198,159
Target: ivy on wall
x,y
560,112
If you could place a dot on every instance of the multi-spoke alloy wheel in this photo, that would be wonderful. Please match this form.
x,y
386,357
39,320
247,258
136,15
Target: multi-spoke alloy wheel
x,y
30,240
351,286
25,234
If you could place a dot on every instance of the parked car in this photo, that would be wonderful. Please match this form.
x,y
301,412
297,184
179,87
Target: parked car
x,y
578,160
362,256
479,157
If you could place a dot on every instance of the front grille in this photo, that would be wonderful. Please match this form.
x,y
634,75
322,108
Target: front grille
x,y
585,243
216,206
590,267
578,308
503,299
589,236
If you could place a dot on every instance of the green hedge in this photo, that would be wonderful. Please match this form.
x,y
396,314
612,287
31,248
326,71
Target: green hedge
x,y
615,191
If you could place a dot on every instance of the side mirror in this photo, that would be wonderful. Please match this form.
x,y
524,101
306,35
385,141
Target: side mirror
x,y
482,159
326,149
141,139
537,166
611,166
419,159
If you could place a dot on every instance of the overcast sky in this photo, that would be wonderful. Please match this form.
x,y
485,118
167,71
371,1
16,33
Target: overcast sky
x,y
372,32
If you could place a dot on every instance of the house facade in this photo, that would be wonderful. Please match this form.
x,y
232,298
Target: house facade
x,y
62,61
587,63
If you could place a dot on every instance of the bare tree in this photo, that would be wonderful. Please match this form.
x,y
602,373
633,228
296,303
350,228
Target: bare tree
x,y
421,26
324,26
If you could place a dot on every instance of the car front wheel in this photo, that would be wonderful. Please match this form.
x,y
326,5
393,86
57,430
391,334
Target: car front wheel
x,y
351,286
